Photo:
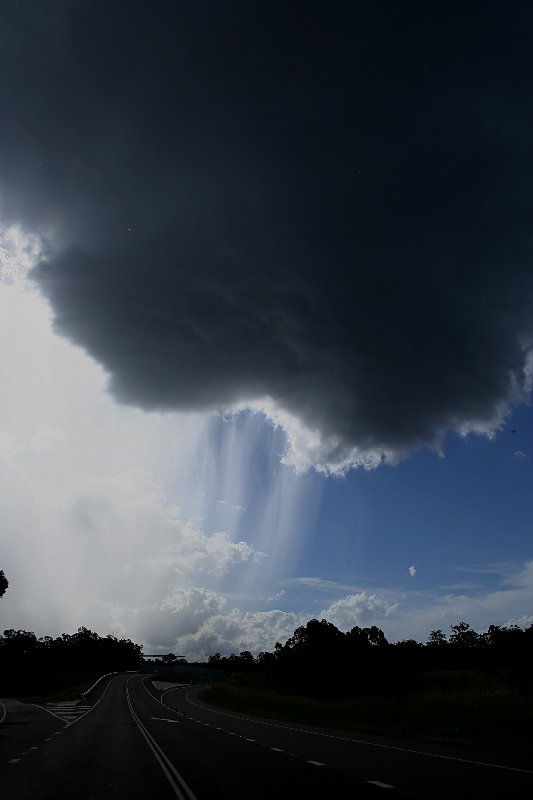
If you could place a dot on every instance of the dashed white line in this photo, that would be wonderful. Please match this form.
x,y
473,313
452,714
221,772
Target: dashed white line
x,y
14,761
277,749
381,784
317,763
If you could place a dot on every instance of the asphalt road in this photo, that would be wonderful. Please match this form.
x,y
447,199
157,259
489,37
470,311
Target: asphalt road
x,y
128,744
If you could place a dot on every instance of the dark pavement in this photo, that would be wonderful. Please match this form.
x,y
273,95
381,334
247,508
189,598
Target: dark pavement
x,y
132,745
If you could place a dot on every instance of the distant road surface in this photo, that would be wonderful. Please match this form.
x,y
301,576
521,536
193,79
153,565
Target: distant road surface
x,y
129,745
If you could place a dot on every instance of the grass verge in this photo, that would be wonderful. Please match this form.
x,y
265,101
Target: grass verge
x,y
497,722
69,693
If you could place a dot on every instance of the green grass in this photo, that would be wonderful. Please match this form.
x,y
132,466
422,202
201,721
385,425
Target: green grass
x,y
69,693
464,710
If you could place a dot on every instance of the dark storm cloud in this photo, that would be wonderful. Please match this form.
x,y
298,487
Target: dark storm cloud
x,y
327,205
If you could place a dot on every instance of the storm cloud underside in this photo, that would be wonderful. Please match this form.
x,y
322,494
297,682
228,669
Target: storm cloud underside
x,y
323,214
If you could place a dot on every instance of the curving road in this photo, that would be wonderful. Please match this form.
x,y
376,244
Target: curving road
x,y
129,744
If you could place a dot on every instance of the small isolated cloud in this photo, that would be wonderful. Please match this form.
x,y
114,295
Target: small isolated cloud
x,y
520,455
412,570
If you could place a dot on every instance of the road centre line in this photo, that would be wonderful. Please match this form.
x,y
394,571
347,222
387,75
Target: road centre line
x,y
164,762
362,741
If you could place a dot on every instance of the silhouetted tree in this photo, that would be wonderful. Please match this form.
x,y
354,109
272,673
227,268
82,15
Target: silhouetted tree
x,y
4,583
169,659
463,636
437,639
50,664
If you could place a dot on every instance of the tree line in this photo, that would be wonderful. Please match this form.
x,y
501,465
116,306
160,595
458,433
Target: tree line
x,y
29,665
319,659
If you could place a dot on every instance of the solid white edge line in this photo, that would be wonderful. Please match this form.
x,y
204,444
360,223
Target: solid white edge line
x,y
74,721
163,760
3,713
361,741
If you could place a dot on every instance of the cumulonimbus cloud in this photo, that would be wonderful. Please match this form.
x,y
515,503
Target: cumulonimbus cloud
x,y
314,217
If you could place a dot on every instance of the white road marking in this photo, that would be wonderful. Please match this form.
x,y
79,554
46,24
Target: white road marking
x,y
169,708
34,748
91,708
14,761
277,749
381,785
317,763
249,740
4,712
68,711
162,719
166,765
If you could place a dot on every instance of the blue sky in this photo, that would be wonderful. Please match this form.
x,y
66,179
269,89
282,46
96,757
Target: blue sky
x,y
266,317
187,532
